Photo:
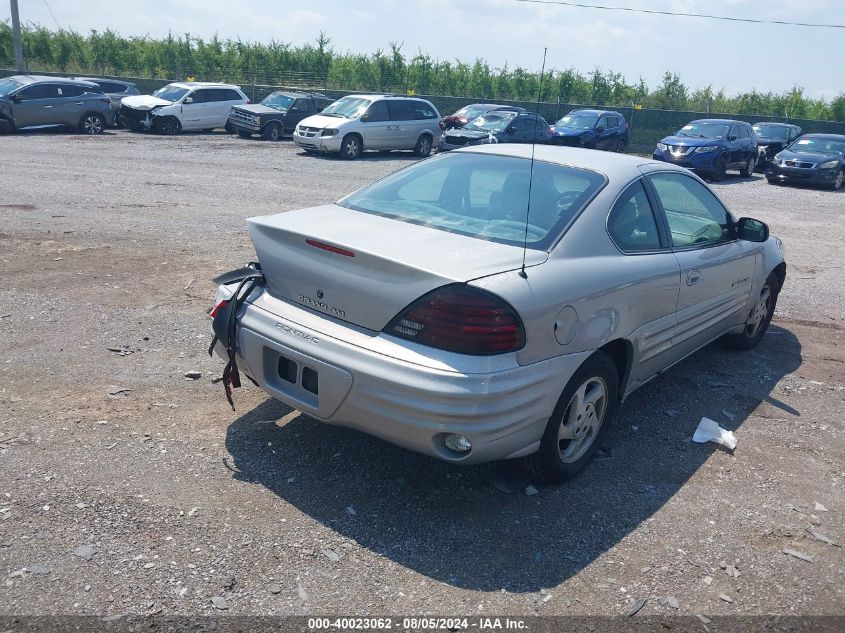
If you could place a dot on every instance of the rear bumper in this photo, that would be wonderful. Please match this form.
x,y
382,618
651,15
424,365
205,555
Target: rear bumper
x,y
405,398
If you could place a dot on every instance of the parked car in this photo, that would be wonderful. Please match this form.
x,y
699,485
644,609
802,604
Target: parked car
x,y
816,159
593,129
115,89
36,101
470,112
188,105
497,126
277,115
422,309
772,137
710,147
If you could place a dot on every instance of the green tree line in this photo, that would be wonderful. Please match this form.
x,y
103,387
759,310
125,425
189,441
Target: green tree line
x,y
319,65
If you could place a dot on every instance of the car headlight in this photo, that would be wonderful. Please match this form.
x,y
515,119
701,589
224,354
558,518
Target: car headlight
x,y
662,147
829,164
257,120
329,132
707,148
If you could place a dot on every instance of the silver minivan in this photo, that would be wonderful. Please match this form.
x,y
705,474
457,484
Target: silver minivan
x,y
357,123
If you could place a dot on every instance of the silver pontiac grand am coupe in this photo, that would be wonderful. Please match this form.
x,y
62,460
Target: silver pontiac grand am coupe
x,y
425,310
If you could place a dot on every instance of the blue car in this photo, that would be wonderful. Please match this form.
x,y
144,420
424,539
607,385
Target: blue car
x,y
710,147
816,159
593,129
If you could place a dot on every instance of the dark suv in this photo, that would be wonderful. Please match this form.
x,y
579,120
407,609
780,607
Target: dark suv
x,y
472,111
771,138
35,101
710,147
593,129
276,115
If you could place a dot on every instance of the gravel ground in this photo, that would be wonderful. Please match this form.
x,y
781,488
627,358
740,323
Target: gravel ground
x,y
127,489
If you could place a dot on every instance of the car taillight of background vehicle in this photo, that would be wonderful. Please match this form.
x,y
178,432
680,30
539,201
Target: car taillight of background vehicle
x,y
461,319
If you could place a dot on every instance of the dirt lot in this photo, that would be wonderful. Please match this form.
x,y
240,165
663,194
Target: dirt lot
x,y
158,498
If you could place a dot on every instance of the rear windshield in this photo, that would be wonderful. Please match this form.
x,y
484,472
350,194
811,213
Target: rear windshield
x,y
170,93
483,196
9,85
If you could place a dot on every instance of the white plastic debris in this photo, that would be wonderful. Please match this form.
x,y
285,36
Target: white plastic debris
x,y
710,431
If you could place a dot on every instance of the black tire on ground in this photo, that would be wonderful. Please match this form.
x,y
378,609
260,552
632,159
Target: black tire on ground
x,y
750,166
773,181
837,182
719,169
92,123
423,146
351,147
759,318
575,432
168,125
229,128
244,134
621,146
272,131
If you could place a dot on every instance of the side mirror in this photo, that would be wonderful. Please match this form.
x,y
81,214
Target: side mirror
x,y
366,117
600,129
188,100
752,230
732,137
16,99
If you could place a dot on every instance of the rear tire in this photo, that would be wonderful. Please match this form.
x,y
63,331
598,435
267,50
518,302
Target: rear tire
x,y
759,318
272,132
351,147
423,146
92,123
621,146
579,423
750,166
168,125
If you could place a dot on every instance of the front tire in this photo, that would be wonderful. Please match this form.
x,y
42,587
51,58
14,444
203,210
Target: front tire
x,y
229,128
759,318
837,182
423,146
350,147
168,125
720,167
92,123
579,422
272,132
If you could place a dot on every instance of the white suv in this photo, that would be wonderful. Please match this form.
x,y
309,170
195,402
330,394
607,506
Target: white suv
x,y
189,105
379,122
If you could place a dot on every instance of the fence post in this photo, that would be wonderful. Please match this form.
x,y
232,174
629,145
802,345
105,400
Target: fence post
x,y
557,109
253,88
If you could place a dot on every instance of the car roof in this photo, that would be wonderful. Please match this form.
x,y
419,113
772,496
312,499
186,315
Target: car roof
x,y
830,137
297,93
385,96
778,123
718,121
614,165
31,79
593,111
96,80
202,84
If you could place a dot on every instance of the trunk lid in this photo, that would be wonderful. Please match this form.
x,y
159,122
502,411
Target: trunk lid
x,y
376,266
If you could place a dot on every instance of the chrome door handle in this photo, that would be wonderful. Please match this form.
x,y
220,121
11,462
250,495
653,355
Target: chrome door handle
x,y
45,107
79,103
693,277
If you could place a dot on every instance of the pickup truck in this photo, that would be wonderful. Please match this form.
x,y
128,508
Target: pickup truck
x,y
277,115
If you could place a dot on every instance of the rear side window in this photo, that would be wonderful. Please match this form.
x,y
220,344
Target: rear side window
x,y
744,132
111,87
695,216
231,95
631,222
423,111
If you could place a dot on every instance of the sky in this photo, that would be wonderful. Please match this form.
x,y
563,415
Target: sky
x,y
733,56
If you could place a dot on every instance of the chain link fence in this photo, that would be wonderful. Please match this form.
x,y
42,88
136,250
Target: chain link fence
x,y
647,125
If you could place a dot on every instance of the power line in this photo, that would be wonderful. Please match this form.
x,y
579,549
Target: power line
x,y
582,5
52,14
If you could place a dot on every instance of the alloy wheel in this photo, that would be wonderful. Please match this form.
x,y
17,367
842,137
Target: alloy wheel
x,y
92,124
582,419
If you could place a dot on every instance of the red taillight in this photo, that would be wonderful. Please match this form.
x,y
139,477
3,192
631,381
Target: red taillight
x,y
330,248
216,309
460,319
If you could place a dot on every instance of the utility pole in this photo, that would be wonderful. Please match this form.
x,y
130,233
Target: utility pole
x,y
16,37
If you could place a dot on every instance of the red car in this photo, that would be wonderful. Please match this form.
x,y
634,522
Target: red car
x,y
468,113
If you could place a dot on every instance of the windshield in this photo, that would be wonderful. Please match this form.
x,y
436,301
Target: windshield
x,y
704,130
771,131
170,93
492,121
818,144
348,107
278,101
578,121
483,196
9,85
